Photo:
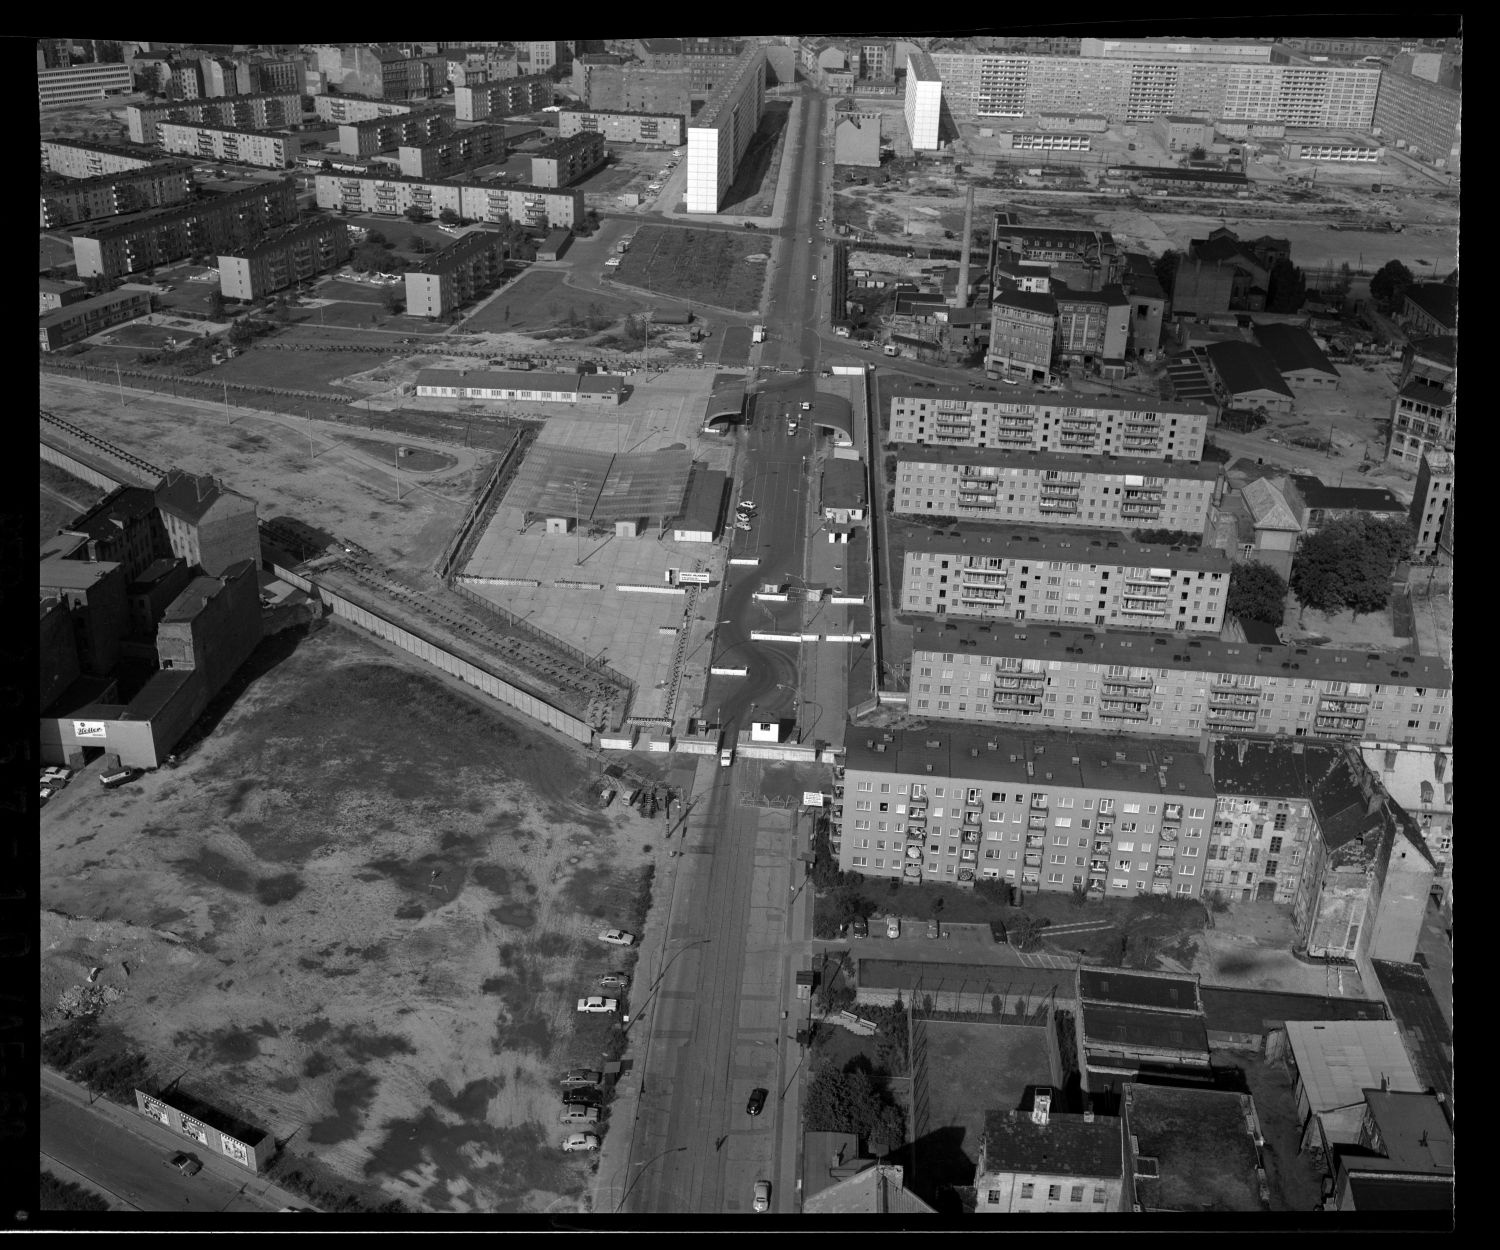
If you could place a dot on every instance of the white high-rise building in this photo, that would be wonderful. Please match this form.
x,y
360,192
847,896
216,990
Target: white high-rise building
x,y
924,102
720,134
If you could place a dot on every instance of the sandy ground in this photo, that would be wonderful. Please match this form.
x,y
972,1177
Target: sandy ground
x,y
363,932
305,470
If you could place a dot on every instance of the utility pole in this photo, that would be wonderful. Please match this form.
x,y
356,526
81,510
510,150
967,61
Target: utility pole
x,y
120,385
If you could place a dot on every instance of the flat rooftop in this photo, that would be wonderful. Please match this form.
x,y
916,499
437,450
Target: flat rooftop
x,y
1070,546
1200,1139
1138,989
1017,398
1000,458
1146,650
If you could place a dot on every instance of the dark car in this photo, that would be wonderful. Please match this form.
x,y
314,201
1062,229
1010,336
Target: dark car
x,y
750,225
757,1102
860,926
580,1098
184,1163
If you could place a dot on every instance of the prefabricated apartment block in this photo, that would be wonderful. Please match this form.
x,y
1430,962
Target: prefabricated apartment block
x,y
73,159
110,195
478,201
339,109
923,103
281,259
1168,684
1018,419
267,111
381,134
1048,488
1065,578
620,127
721,132
74,84
77,321
250,147
448,155
219,225
1051,811
565,161
455,276
505,97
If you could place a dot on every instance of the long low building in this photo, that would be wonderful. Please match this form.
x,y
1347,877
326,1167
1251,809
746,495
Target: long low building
x,y
622,127
512,386
283,258
1165,684
1020,419
1065,578
249,147
1040,810
79,320
478,201
264,111
1046,488
455,276
75,84
217,225
446,156
110,195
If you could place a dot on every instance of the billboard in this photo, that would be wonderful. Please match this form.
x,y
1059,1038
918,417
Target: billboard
x,y
88,729
251,1155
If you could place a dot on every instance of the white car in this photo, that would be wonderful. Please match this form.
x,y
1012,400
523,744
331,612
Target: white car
x,y
580,1141
596,1005
762,1201
47,793
748,505
742,525
617,937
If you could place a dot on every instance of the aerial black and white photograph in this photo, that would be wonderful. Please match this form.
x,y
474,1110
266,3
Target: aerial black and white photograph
x,y
672,631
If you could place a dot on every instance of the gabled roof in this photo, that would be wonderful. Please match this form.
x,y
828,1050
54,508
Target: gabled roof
x,y
1438,300
1223,249
1293,348
1008,297
878,1190
1245,368
1269,508
187,495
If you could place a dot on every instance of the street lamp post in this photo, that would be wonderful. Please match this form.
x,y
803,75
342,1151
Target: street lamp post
x,y
643,1166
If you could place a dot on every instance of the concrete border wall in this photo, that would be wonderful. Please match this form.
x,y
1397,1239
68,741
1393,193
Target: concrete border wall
x,y
78,468
468,673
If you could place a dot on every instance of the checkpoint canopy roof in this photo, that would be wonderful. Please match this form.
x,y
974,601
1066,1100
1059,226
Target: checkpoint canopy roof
x,y
601,486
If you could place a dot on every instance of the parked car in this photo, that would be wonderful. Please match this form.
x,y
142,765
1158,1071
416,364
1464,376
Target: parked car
x,y
47,793
892,927
184,1163
617,937
762,1199
860,927
582,1076
594,1004
742,525
579,1115
932,928
750,225
581,1098
120,777
757,1102
580,1141
614,981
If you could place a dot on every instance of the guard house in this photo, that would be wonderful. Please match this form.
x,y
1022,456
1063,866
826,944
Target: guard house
x,y
844,500
726,403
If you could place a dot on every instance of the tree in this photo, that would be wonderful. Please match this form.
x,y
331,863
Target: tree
x,y
1165,268
1197,154
448,217
390,299
845,1102
215,305
1286,288
418,244
1256,593
1348,564
1389,282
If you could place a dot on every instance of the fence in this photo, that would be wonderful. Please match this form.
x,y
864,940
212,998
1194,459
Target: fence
x,y
461,545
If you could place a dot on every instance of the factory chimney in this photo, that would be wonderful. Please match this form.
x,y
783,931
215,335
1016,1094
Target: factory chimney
x,y
961,296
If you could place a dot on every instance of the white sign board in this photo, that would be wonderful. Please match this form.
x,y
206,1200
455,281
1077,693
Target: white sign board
x,y
812,798
88,729
701,579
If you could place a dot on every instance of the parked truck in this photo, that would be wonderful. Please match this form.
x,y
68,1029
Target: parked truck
x,y
758,334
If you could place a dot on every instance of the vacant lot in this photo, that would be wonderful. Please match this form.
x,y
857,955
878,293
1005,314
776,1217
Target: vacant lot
x,y
302,371
541,300
361,931
63,497
53,252
688,264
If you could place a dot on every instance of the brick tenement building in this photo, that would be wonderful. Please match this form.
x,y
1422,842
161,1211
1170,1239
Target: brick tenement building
x,y
1046,488
1160,684
1019,419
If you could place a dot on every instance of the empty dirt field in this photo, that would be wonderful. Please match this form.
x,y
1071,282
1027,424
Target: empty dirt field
x,y
541,300
358,916
688,264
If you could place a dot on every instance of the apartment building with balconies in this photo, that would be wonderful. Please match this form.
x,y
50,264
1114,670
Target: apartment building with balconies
x,y
342,109
77,321
505,97
74,159
261,112
477,145
111,195
1064,578
1015,418
248,147
1048,488
459,274
566,161
283,259
222,224
621,127
381,134
479,201
1116,817
1165,683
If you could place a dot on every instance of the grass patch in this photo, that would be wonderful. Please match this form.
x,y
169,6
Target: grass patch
x,y
687,264
96,1055
55,1194
541,301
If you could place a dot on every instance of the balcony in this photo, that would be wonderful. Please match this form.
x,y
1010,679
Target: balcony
x,y
976,501
1146,607
1013,438
954,433
1039,802
915,835
1144,512
1233,702
1348,704
1058,505
982,577
1340,727
1036,822
1162,872
1172,811
1124,712
914,852
1166,850
1032,861
1098,865
971,837
1132,683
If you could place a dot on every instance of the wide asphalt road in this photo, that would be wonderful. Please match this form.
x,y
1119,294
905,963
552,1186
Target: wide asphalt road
x,y
774,461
